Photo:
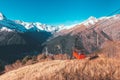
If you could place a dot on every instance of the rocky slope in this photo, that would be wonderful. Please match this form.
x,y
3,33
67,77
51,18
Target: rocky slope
x,y
88,36
18,40
100,68
14,45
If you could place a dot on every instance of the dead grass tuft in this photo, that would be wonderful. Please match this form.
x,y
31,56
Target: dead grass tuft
x,y
97,69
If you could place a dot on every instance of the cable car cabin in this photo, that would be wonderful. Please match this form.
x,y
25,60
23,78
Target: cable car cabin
x,y
78,55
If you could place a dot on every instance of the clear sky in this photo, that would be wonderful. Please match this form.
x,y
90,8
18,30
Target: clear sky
x,y
55,12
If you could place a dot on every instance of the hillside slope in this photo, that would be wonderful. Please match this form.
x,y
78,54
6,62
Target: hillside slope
x,y
98,69
88,37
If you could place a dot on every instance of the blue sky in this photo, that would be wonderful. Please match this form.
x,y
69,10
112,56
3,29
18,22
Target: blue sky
x,y
56,12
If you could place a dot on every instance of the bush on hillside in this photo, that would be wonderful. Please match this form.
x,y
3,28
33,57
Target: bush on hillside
x,y
25,59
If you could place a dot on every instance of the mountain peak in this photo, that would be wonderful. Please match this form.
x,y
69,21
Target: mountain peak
x,y
92,17
2,16
91,20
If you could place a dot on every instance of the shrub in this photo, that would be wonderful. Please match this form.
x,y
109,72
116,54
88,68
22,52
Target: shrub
x,y
25,59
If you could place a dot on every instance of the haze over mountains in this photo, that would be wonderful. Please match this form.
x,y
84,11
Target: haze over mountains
x,y
19,38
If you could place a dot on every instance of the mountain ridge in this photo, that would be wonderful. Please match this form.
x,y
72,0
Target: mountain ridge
x,y
19,25
90,38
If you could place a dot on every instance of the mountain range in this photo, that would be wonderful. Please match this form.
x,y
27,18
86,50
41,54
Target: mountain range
x,y
21,26
19,38
89,35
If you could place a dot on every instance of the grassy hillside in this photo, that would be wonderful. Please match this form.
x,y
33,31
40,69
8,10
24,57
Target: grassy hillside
x,y
96,69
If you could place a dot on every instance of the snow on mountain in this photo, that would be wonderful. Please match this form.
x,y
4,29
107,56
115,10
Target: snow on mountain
x,y
2,16
93,20
39,26
25,24
101,18
5,29
90,21
21,26
106,17
12,25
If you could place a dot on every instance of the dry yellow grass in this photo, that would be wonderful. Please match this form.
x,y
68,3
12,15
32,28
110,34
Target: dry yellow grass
x,y
97,69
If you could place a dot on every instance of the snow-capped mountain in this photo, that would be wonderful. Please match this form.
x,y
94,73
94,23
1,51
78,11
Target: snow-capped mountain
x,y
5,29
90,21
21,26
37,26
93,20
9,24
89,35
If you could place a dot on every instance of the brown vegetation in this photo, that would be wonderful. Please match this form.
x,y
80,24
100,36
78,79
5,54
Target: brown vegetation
x,y
96,69
29,60
103,64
